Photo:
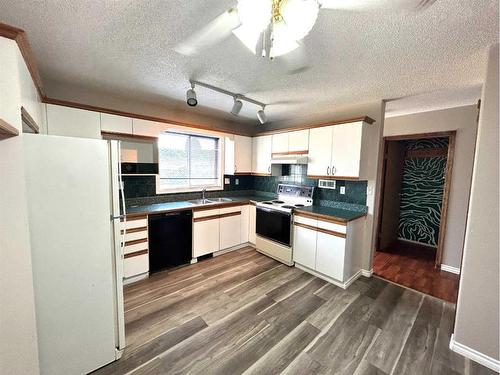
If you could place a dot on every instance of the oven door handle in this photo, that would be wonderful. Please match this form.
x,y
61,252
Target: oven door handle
x,y
264,209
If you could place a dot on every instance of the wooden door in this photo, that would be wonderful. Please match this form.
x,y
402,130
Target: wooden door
x,y
394,156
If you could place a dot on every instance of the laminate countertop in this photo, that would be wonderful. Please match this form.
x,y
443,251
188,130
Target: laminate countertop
x,y
158,208
330,213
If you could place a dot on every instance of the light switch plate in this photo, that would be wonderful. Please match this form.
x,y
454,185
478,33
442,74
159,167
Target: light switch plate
x,y
342,190
227,180
237,181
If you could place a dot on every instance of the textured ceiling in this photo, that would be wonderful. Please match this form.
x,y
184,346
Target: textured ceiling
x,y
126,48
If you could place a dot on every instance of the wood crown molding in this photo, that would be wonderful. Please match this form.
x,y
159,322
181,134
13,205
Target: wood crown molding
x,y
366,119
21,38
7,130
28,120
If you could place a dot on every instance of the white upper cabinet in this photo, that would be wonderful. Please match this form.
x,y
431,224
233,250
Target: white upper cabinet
x,y
291,142
298,140
73,122
335,151
116,124
320,151
237,155
261,154
346,151
147,128
280,143
242,154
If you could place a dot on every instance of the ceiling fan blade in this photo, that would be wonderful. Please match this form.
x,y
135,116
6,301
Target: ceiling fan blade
x,y
296,61
376,5
217,30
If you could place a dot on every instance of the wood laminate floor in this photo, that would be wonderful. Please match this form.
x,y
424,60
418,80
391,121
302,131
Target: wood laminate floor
x,y
412,265
243,312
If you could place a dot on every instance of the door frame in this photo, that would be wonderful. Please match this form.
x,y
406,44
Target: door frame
x,y
451,135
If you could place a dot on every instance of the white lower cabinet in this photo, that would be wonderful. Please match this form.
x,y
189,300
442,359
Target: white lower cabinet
x,y
252,213
230,227
304,249
206,227
245,223
330,251
135,252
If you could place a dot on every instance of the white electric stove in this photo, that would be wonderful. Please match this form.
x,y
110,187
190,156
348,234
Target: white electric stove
x,y
274,221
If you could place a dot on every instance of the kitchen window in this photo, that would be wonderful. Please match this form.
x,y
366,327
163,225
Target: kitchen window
x,y
188,162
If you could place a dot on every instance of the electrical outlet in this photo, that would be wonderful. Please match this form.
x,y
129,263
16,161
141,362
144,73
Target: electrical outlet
x,y
342,190
237,181
227,180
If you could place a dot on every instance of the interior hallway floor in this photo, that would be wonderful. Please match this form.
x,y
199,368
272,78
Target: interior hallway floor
x,y
243,312
412,265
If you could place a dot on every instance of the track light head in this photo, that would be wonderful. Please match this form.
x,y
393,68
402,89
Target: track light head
x,y
261,115
191,97
236,106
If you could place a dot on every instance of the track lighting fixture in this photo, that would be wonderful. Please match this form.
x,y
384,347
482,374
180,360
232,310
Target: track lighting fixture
x,y
237,104
191,96
261,115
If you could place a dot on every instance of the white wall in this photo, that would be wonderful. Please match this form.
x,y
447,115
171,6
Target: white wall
x,y
477,317
464,121
18,339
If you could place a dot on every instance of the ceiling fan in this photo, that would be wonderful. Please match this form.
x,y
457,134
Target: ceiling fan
x,y
276,27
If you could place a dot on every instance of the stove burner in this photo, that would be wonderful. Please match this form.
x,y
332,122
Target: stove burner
x,y
267,202
287,206
299,205
278,202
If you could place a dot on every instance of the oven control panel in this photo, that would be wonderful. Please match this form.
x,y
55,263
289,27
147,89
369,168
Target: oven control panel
x,y
295,191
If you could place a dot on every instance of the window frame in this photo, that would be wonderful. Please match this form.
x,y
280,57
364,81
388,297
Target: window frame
x,y
187,189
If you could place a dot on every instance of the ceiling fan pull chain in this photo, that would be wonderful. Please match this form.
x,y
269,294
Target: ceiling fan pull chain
x,y
264,43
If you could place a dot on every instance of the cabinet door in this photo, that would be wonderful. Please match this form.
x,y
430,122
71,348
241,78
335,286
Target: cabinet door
x,y
280,143
230,230
346,149
261,154
245,223
320,151
298,140
242,154
229,161
251,223
304,246
330,255
73,122
205,237
116,124
146,128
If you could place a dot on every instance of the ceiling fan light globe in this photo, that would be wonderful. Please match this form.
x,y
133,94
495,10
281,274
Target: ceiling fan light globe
x,y
299,16
282,41
255,13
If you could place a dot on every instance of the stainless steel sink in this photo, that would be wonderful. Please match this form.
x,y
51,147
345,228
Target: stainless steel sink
x,y
200,201
219,200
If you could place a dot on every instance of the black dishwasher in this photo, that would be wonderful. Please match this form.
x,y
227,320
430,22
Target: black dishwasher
x,y
170,238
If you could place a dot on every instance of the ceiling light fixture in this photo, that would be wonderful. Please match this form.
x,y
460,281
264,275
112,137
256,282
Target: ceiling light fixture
x,y
236,106
191,96
261,115
238,99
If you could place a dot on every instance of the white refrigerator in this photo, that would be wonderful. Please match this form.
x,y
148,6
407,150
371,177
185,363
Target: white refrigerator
x,y
73,187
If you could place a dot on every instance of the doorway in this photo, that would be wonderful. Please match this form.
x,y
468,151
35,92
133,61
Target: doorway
x,y
416,178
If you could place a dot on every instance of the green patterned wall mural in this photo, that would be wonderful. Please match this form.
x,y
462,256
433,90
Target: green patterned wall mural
x,y
422,192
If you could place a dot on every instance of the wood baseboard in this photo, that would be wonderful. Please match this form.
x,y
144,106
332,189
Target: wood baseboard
x,y
474,355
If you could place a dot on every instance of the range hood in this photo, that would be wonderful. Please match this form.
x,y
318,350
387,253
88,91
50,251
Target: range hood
x,y
289,159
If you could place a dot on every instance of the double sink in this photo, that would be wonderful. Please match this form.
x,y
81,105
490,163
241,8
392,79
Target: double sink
x,y
210,201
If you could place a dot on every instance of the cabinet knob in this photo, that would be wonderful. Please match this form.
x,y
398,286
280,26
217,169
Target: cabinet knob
x,y
328,170
269,169
333,170
235,169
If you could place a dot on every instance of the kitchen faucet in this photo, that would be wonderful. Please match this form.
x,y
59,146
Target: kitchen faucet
x,y
203,193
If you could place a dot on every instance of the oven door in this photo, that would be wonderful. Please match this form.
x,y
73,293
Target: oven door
x,y
274,225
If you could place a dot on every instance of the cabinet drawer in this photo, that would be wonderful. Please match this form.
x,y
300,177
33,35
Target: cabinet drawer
x,y
305,220
135,222
135,265
334,227
136,235
205,213
134,246
228,210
